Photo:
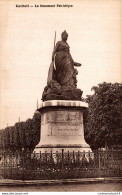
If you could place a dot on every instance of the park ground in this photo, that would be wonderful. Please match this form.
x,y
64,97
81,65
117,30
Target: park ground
x,y
66,185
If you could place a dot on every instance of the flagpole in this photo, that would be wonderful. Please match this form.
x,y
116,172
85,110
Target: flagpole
x,y
50,72
54,40
37,104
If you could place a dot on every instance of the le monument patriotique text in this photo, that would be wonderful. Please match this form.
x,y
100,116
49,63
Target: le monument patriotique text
x,y
44,5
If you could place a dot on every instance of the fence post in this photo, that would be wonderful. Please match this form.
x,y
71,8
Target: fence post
x,y
46,159
40,159
46,156
104,159
10,164
89,157
4,164
73,159
99,163
62,160
57,162
17,163
23,177
78,158
68,160
51,160
99,159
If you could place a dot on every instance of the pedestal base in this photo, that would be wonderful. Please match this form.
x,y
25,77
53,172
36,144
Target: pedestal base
x,y
70,148
62,127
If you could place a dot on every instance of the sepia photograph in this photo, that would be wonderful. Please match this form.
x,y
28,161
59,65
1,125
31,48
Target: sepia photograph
x,y
60,96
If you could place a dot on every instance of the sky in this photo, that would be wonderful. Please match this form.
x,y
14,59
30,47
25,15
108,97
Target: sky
x,y
26,45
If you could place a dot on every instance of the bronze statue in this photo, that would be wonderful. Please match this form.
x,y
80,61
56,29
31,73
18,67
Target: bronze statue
x,y
62,78
64,72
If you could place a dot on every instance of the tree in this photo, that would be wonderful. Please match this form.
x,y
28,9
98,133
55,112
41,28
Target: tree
x,y
16,137
28,133
22,136
103,119
6,137
21,129
1,141
36,128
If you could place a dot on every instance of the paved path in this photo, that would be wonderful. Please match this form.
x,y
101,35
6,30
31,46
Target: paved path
x,y
8,182
92,187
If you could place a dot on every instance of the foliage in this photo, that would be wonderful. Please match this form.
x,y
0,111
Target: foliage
x,y
103,119
22,136
36,128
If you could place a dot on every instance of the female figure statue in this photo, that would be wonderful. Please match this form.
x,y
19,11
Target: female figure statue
x,y
64,72
62,82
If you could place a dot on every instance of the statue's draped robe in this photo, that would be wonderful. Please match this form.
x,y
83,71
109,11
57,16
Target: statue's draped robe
x,y
64,64
62,82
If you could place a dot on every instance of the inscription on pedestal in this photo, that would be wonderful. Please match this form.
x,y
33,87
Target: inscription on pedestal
x,y
62,116
67,129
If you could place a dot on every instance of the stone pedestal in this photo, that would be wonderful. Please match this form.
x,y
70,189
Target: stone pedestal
x,y
62,126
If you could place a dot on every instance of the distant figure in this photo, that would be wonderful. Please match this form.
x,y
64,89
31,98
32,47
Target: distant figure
x,y
64,72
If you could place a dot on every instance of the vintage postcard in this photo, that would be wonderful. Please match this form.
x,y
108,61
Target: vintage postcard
x,y
81,33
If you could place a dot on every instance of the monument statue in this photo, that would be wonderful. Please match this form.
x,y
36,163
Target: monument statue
x,y
62,82
62,106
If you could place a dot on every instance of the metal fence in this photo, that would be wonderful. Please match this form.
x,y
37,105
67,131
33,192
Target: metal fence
x,y
61,165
